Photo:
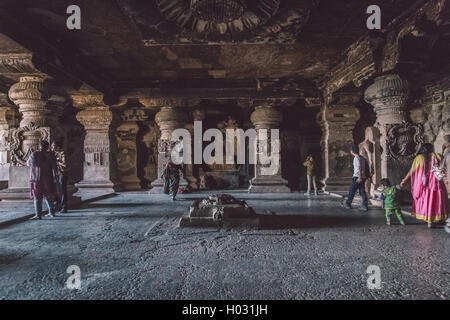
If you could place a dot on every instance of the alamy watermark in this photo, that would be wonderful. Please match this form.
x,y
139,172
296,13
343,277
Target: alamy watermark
x,y
374,20
374,280
73,22
263,147
74,280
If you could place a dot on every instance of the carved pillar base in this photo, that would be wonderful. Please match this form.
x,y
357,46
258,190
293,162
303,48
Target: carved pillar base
x,y
269,185
267,117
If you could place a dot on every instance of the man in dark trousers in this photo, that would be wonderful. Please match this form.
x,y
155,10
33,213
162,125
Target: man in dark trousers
x,y
359,179
42,177
62,175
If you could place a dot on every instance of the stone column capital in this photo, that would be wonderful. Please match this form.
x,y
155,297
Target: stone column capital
x,y
8,113
96,118
388,95
199,114
40,102
169,119
88,100
266,117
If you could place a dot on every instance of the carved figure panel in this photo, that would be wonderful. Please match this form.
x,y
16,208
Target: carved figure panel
x,y
404,140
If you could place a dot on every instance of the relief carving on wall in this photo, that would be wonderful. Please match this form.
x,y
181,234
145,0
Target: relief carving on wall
x,y
404,140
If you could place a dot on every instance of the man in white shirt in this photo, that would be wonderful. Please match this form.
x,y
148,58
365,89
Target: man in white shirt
x,y
359,179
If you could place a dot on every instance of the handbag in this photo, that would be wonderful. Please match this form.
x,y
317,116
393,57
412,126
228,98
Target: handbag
x,y
439,173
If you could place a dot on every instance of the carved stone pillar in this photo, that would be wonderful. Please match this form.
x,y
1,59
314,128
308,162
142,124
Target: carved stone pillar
x,y
150,141
8,120
197,115
267,117
338,120
127,155
127,162
168,119
40,104
399,139
100,148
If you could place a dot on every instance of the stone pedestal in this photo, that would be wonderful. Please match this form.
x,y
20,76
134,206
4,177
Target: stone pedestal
x,y
168,119
338,120
100,150
220,211
399,138
267,117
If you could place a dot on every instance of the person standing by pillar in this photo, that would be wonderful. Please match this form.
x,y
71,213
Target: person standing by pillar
x,y
62,176
171,175
359,179
43,172
310,175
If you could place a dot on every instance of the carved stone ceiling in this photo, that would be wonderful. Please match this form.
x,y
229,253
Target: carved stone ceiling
x,y
133,43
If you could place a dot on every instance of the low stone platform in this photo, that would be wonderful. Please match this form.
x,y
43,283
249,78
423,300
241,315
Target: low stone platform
x,y
221,210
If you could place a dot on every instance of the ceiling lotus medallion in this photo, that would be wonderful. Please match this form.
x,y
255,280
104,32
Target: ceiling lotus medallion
x,y
165,22
214,17
217,10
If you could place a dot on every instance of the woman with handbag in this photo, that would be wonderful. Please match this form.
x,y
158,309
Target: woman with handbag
x,y
428,189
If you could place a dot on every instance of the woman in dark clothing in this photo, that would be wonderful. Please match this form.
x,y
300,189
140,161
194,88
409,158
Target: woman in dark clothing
x,y
43,171
171,176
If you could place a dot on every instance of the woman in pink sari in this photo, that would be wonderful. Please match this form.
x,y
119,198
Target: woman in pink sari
x,y
430,195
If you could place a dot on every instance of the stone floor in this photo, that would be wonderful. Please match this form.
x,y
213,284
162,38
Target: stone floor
x,y
129,247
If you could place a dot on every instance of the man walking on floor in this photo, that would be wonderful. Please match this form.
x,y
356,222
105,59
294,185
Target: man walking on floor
x,y
358,181
62,176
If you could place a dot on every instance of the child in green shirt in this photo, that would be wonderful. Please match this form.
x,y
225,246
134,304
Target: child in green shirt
x,y
389,195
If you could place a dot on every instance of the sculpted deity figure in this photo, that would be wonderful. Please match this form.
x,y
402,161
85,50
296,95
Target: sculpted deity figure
x,y
367,149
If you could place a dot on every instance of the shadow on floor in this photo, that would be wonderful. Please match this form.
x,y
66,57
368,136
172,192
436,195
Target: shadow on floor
x,y
320,221
113,205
